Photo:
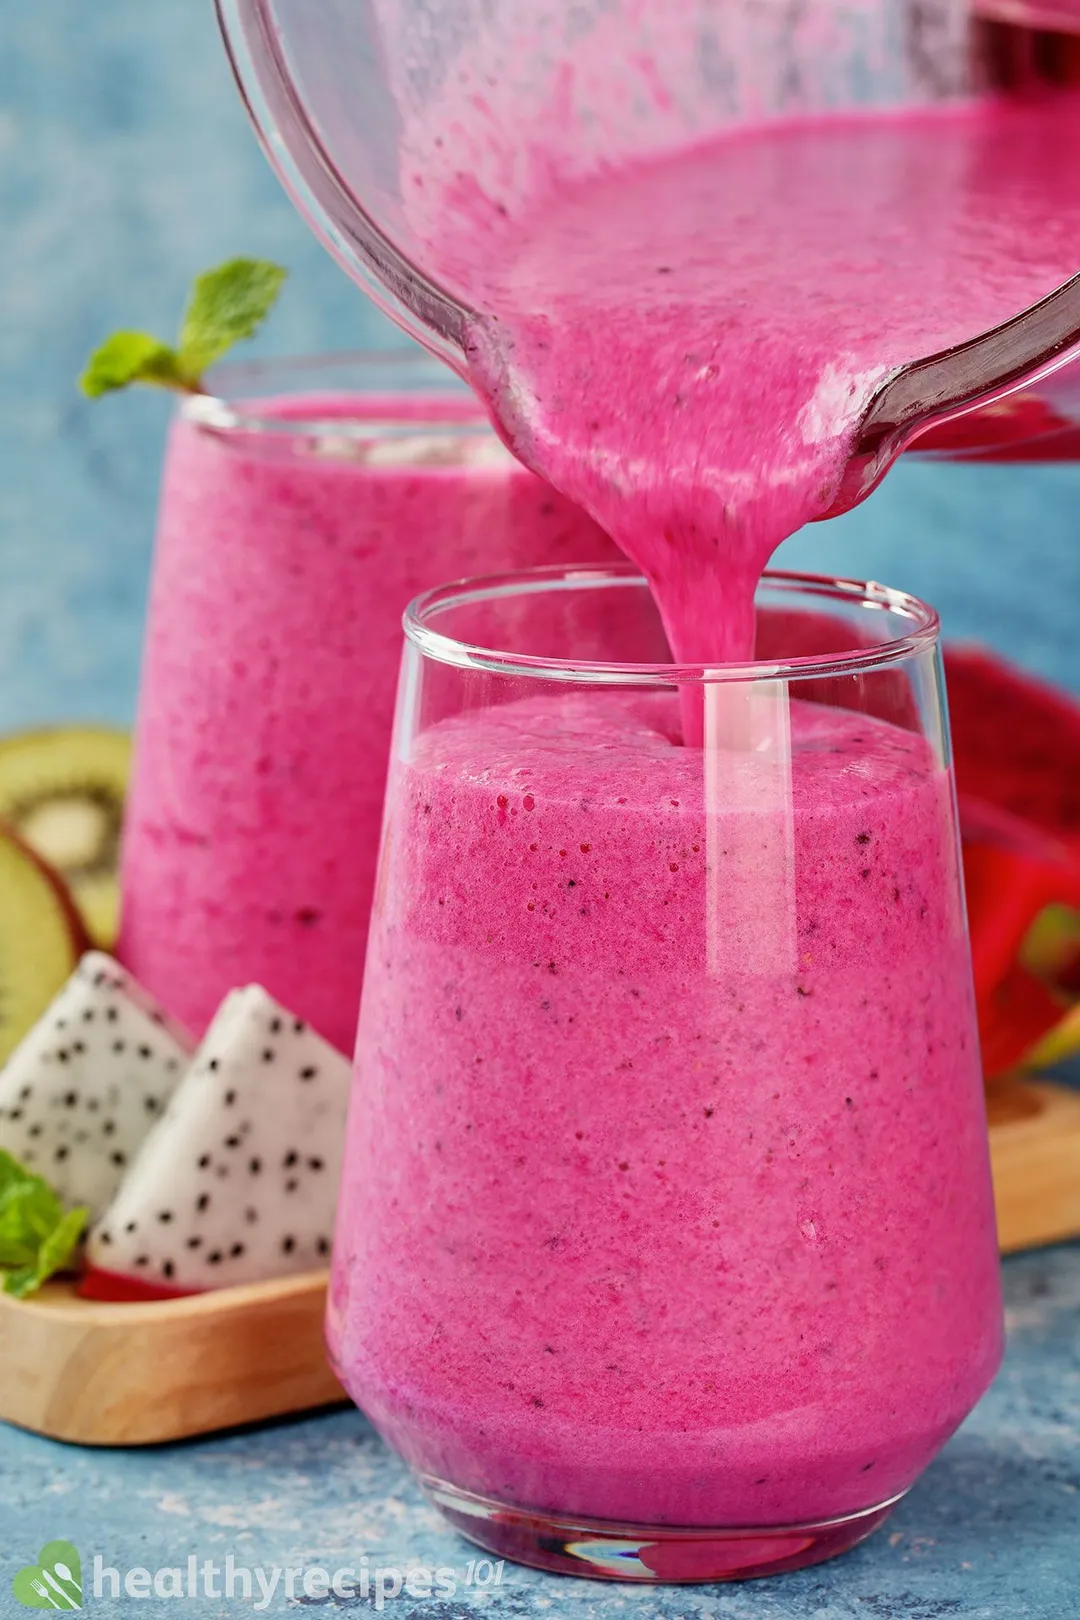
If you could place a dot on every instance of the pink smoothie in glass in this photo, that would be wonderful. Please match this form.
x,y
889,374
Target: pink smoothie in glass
x,y
633,1225
636,1225
282,567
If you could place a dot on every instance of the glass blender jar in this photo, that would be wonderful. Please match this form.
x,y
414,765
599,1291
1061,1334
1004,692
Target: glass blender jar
x,y
332,88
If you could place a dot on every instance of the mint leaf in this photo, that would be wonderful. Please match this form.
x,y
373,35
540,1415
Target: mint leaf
x,y
128,357
227,305
37,1237
61,1243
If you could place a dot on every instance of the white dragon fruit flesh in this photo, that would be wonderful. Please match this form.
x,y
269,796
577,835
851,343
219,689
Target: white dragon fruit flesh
x,y
238,1180
85,1086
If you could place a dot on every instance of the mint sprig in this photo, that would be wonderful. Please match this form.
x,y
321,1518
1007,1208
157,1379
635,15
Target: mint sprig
x,y
225,306
37,1235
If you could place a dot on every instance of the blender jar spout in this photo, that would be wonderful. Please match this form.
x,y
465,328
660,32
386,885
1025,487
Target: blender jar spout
x,y
935,390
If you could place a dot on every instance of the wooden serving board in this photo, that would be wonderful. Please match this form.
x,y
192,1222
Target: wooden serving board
x,y
131,1375
1035,1154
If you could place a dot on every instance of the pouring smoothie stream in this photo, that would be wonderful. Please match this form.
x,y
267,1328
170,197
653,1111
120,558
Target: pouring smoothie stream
x,y
687,346
666,1245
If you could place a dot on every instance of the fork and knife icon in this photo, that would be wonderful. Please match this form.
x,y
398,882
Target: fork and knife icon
x,y
60,1572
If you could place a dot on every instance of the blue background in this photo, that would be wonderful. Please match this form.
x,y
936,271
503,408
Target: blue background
x,y
126,165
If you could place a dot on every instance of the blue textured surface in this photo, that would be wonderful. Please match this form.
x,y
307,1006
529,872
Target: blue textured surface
x,y
125,166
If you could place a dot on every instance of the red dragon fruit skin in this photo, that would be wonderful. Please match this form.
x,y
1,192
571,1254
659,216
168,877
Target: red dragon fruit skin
x,y
1016,747
1016,741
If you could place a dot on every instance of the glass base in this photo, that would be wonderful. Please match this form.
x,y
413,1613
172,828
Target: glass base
x,y
609,1551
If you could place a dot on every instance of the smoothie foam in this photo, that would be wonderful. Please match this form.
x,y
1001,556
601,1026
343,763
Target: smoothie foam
x,y
636,1222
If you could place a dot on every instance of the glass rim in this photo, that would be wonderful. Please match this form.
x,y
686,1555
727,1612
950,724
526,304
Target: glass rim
x,y
229,407
868,594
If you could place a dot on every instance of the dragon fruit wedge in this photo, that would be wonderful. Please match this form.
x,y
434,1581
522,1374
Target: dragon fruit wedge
x,y
238,1180
88,1081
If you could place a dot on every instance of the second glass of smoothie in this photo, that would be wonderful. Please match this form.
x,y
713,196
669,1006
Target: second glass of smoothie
x,y
666,1245
301,509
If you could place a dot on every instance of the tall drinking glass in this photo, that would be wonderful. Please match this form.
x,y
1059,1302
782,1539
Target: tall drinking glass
x,y
666,1246
301,509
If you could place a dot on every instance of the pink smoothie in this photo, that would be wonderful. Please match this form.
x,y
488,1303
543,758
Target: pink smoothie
x,y
281,572
685,344
646,1218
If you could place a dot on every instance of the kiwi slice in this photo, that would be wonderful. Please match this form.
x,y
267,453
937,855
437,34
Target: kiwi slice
x,y
41,939
62,791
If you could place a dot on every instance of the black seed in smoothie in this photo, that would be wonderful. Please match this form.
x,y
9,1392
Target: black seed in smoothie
x,y
863,838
